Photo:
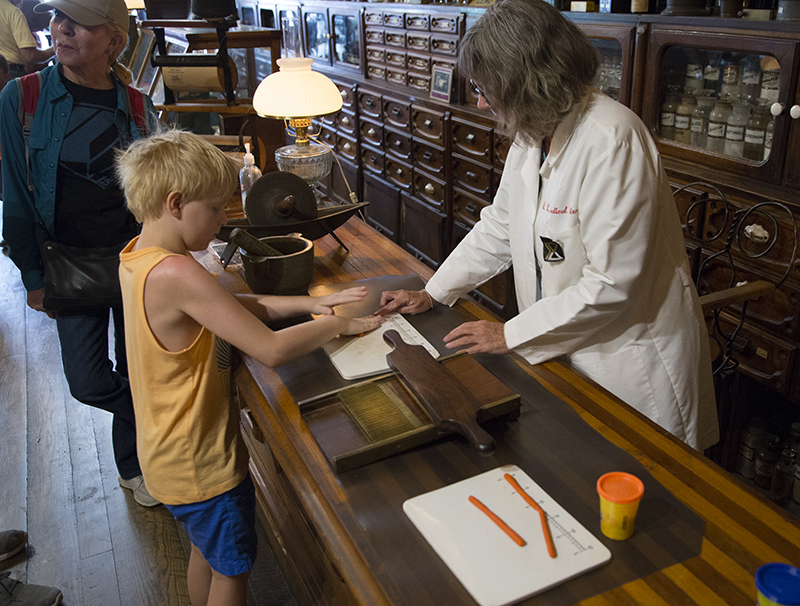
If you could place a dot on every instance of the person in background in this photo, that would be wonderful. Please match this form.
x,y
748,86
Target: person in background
x,y
83,114
12,542
17,44
180,324
585,215
4,75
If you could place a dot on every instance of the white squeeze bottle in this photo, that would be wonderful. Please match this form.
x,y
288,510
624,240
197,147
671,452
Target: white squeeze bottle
x,y
249,174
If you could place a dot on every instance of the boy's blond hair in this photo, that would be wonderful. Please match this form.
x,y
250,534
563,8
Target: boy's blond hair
x,y
173,160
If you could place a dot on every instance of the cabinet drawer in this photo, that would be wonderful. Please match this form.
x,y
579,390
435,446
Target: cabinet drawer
x,y
444,44
398,76
419,63
328,136
398,144
419,81
418,42
428,124
447,25
473,177
346,122
383,212
397,114
423,231
417,21
373,17
472,140
372,133
376,54
428,157
369,103
395,38
431,190
399,173
348,93
376,71
395,58
394,19
447,63
467,208
347,147
374,35
372,160
763,357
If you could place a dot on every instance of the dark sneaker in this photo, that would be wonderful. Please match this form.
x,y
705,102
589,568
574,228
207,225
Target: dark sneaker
x,y
140,494
17,593
11,543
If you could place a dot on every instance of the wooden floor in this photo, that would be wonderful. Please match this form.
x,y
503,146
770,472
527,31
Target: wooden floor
x,y
58,481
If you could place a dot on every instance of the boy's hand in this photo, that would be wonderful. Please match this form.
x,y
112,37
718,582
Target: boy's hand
x,y
358,326
323,306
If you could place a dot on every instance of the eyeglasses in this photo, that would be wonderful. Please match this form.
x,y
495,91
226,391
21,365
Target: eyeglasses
x,y
478,91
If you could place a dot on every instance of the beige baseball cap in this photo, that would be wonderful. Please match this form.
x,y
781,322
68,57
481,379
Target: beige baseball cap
x,y
89,12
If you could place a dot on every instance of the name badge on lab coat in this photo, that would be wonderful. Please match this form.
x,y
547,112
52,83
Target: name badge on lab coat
x,y
553,250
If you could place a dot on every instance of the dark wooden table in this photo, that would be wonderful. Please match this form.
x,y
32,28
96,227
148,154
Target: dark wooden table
x,y
332,540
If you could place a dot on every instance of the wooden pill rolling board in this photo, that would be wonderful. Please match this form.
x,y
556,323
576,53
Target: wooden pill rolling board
x,y
388,414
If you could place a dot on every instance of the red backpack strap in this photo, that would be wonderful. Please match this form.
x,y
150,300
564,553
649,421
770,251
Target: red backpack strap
x,y
28,88
137,106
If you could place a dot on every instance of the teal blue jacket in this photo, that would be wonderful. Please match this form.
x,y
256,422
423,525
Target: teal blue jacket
x,y
20,226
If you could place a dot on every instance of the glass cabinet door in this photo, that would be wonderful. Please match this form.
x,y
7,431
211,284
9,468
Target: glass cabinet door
x,y
346,38
615,45
317,35
717,100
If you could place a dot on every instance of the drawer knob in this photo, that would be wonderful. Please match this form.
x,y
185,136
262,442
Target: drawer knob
x,y
428,123
396,112
398,172
472,176
430,189
398,143
756,233
794,112
371,132
427,156
471,137
347,147
343,93
471,209
369,102
346,121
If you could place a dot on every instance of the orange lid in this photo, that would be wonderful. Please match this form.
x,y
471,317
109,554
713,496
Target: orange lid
x,y
620,487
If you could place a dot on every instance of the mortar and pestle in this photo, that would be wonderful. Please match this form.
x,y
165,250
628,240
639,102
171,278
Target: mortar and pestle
x,y
276,265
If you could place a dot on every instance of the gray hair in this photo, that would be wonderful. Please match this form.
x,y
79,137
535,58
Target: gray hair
x,y
533,64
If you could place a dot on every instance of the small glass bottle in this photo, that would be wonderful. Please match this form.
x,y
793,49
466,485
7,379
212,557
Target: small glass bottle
x,y
711,73
717,124
753,437
683,119
730,76
693,83
766,458
734,131
755,132
751,78
768,137
668,109
781,487
700,114
248,175
770,78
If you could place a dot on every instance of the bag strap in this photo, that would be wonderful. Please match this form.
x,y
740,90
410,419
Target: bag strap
x,y
137,109
28,88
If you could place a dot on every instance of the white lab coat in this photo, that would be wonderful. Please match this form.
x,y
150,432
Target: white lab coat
x,y
620,301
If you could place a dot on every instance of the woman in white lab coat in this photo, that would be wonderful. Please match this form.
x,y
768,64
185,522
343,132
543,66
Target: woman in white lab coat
x,y
585,214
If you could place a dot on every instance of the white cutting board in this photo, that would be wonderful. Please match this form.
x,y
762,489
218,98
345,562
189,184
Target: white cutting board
x,y
359,357
490,566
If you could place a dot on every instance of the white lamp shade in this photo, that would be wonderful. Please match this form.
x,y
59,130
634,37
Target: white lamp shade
x,y
134,4
296,91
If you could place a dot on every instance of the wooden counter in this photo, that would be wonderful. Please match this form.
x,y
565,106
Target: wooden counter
x,y
331,555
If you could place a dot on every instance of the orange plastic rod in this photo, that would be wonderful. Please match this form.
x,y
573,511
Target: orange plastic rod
x,y
551,548
494,518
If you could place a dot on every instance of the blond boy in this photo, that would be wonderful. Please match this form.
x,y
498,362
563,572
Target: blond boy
x,y
180,324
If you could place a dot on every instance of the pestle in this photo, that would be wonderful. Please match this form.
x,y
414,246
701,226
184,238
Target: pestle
x,y
253,245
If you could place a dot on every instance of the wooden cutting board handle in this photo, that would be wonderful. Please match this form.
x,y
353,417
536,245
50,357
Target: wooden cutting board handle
x,y
450,404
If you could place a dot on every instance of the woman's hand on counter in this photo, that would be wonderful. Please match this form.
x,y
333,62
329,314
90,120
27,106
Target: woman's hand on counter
x,y
404,302
478,337
358,326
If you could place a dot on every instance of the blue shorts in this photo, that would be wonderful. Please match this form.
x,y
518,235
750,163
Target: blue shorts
x,y
223,528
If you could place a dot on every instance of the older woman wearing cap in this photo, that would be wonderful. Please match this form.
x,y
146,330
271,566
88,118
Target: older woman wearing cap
x,y
585,215
82,116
